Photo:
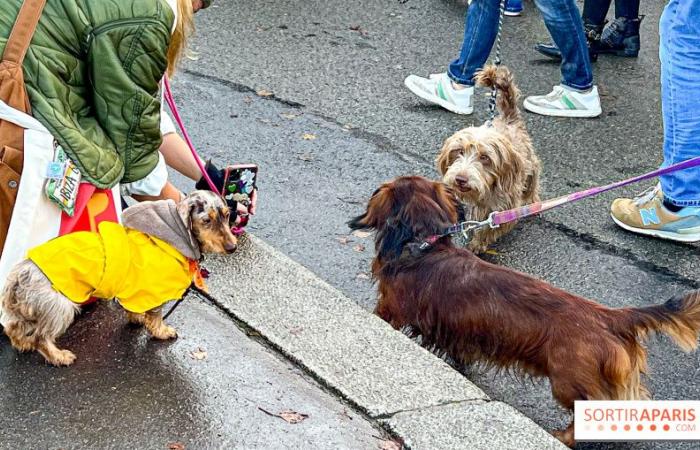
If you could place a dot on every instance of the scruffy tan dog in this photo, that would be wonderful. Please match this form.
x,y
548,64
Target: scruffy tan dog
x,y
492,168
149,261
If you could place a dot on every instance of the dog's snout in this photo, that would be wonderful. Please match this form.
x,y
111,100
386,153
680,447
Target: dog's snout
x,y
462,181
230,247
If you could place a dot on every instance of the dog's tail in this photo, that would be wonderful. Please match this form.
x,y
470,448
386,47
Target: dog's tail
x,y
678,318
502,79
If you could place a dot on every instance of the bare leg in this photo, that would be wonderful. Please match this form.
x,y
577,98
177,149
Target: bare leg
x,y
154,323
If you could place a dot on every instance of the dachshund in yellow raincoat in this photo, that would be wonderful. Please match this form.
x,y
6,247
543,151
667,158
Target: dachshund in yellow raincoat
x,y
149,261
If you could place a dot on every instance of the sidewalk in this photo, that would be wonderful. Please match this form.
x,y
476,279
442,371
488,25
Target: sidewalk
x,y
207,389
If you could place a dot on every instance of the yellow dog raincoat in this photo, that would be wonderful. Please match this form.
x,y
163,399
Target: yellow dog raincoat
x,y
140,270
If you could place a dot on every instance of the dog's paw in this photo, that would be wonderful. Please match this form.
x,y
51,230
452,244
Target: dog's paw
x,y
566,437
164,333
135,319
62,358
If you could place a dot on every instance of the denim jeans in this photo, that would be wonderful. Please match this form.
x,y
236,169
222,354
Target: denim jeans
x,y
594,11
679,51
563,21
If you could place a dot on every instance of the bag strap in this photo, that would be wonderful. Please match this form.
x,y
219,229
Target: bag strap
x,y
23,30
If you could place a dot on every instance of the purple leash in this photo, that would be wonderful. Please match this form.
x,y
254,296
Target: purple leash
x,y
498,218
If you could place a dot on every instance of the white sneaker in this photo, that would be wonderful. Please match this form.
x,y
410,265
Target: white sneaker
x,y
565,102
438,90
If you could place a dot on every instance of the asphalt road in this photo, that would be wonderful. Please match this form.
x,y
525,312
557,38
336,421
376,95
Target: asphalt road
x,y
213,387
339,122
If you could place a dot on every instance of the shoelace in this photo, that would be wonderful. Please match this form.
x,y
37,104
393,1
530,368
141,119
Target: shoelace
x,y
646,195
555,94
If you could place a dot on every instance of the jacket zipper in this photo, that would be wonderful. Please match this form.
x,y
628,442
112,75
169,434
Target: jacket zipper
x,y
115,24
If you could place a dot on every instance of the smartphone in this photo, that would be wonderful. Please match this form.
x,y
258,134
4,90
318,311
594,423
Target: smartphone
x,y
239,183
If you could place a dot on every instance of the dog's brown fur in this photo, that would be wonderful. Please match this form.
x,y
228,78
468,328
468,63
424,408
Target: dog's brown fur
x,y
492,168
35,315
475,311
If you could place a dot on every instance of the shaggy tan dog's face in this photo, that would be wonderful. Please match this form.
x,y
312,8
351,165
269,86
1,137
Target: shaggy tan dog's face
x,y
476,161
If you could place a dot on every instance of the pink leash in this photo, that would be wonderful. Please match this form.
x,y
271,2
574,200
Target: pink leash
x,y
237,230
173,108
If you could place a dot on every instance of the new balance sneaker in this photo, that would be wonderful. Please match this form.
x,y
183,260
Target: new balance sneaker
x,y
565,102
646,214
438,89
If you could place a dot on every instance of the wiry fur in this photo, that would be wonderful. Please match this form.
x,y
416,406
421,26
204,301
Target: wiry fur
x,y
35,315
492,168
477,312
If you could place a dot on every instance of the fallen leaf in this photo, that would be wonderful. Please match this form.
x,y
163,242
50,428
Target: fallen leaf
x,y
308,137
343,240
199,354
192,57
355,27
306,157
289,116
390,445
264,93
292,417
359,248
362,276
176,446
296,331
361,234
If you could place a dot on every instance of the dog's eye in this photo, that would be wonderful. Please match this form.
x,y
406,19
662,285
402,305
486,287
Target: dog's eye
x,y
484,159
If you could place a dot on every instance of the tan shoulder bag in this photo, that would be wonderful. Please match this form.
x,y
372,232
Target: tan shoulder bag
x,y
14,93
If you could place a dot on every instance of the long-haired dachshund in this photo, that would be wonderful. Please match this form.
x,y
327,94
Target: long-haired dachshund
x,y
144,264
475,311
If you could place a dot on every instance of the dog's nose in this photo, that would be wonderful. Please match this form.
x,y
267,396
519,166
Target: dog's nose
x,y
230,247
462,181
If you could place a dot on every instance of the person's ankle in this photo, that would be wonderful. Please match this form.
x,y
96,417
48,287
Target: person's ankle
x,y
577,90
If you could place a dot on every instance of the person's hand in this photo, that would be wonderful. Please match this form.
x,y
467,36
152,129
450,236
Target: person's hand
x,y
253,202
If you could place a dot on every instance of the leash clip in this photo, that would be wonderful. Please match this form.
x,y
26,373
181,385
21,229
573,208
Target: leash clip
x,y
469,227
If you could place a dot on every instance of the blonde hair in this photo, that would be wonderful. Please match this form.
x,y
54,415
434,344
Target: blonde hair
x,y
183,29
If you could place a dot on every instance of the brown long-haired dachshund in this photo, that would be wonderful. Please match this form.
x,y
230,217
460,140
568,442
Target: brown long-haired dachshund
x,y
475,311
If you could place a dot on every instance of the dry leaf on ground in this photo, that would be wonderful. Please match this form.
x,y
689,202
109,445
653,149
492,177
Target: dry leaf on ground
x,y
343,240
264,93
390,445
362,276
359,248
199,354
176,446
289,116
308,136
361,234
292,417
287,415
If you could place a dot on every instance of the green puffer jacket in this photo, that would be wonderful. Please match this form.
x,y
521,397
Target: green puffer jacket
x,y
92,75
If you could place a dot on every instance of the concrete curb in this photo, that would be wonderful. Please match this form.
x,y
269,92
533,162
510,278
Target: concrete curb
x,y
410,391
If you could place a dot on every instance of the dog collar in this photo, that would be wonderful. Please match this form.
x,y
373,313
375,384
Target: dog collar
x,y
466,228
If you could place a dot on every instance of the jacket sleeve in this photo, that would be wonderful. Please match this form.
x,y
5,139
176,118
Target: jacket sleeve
x,y
126,61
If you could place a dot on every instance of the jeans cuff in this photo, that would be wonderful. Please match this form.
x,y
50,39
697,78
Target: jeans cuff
x,y
459,80
682,203
577,88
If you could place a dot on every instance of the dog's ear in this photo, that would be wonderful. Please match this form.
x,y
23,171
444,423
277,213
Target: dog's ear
x,y
188,208
511,167
392,239
378,211
443,160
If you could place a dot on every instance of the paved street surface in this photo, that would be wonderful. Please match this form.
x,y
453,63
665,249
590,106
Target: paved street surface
x,y
336,70
207,389
338,123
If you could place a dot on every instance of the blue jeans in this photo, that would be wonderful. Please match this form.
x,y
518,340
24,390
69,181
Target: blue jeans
x,y
563,21
679,51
